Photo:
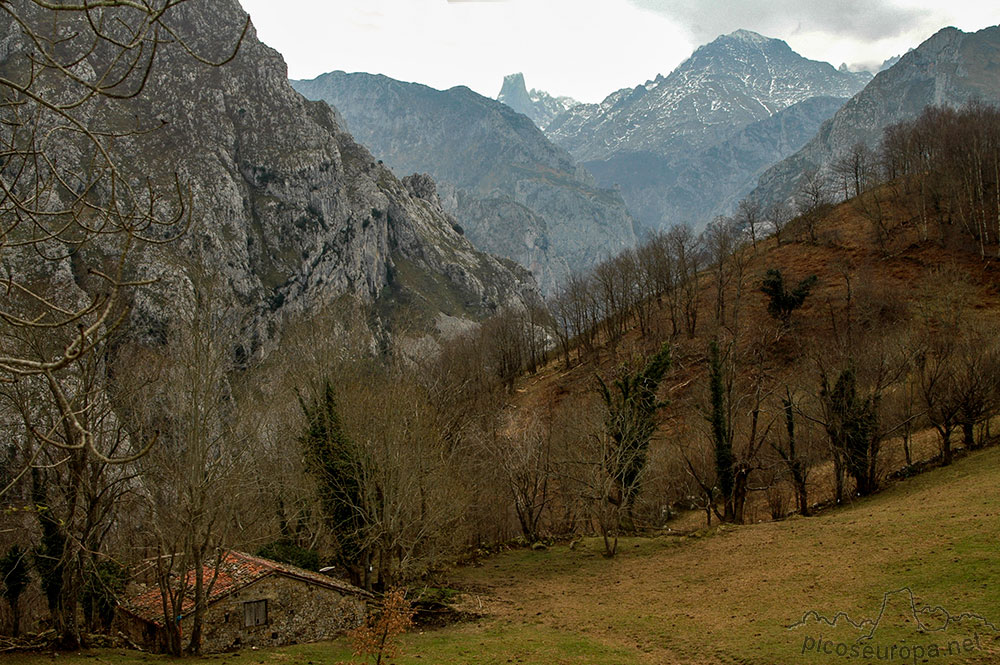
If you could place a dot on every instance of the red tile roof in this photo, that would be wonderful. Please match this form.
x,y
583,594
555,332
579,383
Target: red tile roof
x,y
236,571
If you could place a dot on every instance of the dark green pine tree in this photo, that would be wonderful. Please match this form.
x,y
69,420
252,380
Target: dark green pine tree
x,y
105,585
630,423
336,464
15,575
49,553
852,428
783,302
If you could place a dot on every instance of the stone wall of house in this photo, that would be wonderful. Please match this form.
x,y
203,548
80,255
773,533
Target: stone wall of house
x,y
296,612
140,632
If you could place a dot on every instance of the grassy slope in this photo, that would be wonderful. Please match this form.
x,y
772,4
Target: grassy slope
x,y
725,597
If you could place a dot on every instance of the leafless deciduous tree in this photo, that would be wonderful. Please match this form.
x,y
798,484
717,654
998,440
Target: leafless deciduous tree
x,y
71,215
778,215
856,169
948,163
193,481
750,216
812,197
522,448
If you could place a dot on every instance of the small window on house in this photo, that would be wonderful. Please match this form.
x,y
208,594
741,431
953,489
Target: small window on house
x,y
255,613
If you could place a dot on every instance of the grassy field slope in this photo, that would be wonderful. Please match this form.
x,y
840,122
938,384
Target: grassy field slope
x,y
727,595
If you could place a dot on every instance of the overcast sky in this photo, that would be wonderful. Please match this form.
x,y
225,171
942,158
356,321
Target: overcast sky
x,y
583,48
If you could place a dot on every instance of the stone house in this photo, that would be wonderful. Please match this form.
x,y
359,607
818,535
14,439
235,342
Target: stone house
x,y
254,602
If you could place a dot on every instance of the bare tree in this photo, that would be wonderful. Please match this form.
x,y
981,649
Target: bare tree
x,y
721,241
977,372
75,493
857,170
777,216
792,453
812,196
522,448
409,502
73,216
193,481
688,255
658,267
750,216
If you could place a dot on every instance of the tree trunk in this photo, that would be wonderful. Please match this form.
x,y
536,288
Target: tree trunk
x,y
946,453
801,494
67,623
366,574
968,435
194,645
173,645
739,501
838,472
15,617
610,543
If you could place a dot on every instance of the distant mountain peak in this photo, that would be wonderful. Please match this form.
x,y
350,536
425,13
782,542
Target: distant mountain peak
x,y
516,79
889,62
511,190
722,87
538,105
750,37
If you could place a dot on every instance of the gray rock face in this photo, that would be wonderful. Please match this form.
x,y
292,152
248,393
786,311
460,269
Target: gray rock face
x,y
684,147
290,213
950,68
513,192
538,105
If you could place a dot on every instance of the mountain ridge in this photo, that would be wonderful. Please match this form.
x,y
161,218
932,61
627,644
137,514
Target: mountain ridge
x,y
724,85
291,213
951,67
514,192
685,147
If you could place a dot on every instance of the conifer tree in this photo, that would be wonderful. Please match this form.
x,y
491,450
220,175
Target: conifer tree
x,y
783,302
15,576
630,422
336,464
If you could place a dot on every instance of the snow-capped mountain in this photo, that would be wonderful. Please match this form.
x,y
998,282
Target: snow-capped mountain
x,y
681,124
725,85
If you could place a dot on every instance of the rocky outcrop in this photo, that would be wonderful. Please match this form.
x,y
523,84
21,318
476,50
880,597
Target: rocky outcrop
x,y
512,191
289,211
538,105
950,68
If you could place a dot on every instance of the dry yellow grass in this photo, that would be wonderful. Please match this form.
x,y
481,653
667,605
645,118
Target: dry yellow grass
x,y
720,597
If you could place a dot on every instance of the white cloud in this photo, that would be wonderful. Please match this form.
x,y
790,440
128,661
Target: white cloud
x,y
863,32
583,48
